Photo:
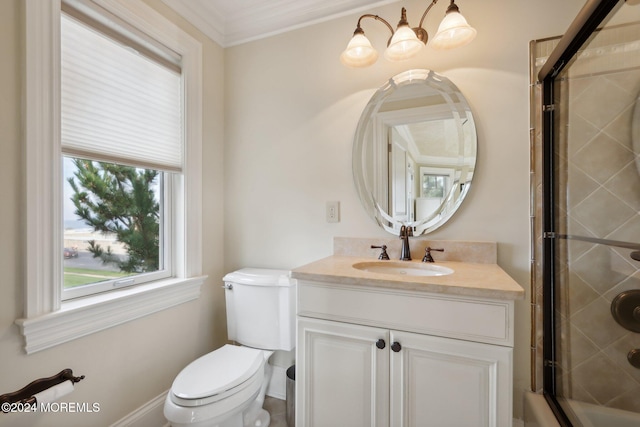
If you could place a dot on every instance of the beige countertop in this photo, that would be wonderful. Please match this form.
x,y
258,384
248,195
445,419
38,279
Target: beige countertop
x,y
485,280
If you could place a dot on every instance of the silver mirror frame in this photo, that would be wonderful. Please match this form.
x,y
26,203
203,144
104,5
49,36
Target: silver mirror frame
x,y
367,178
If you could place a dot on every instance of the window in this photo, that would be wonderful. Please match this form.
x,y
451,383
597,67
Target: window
x,y
101,165
120,112
115,230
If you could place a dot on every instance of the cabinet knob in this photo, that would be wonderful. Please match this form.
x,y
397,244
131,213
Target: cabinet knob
x,y
396,346
381,344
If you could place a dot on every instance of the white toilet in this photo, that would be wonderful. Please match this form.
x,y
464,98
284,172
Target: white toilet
x,y
226,388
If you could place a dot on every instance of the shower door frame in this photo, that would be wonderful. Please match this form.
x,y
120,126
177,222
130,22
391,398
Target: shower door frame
x,y
589,18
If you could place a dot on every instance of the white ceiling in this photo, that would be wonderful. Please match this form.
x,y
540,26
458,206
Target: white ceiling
x,y
233,22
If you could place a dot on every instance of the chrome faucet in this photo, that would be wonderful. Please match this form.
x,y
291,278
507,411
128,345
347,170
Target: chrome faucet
x,y
405,233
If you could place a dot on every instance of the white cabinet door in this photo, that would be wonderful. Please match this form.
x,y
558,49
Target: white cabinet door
x,y
445,382
342,376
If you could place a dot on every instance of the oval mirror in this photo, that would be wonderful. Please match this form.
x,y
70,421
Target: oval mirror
x,y
414,152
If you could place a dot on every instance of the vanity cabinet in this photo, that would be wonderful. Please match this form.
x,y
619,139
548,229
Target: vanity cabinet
x,y
370,356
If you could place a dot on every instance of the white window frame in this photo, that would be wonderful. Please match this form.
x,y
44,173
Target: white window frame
x,y
49,321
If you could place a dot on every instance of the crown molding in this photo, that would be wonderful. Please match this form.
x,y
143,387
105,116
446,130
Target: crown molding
x,y
234,22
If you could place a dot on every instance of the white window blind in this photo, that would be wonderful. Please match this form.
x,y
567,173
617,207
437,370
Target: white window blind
x,y
116,105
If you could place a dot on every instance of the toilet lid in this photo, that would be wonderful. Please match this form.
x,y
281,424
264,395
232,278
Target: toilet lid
x,y
217,372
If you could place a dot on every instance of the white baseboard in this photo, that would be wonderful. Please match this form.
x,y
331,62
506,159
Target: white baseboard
x,y
278,385
148,415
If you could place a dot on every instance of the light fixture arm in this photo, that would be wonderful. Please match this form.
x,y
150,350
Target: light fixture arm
x,y
419,30
359,29
424,15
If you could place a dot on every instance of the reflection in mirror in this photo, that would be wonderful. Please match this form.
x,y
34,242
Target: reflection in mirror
x,y
414,152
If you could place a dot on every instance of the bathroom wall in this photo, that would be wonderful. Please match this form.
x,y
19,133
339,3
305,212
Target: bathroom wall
x,y
128,365
292,109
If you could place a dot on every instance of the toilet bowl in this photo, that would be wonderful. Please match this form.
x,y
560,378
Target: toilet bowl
x,y
227,387
218,388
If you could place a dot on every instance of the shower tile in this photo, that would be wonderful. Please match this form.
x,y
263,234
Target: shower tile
x,y
602,213
581,348
601,102
602,379
579,393
618,351
576,248
561,220
628,81
631,282
625,254
629,401
580,185
564,384
626,185
579,86
629,231
580,294
600,268
620,128
602,157
580,133
596,323
627,85
623,265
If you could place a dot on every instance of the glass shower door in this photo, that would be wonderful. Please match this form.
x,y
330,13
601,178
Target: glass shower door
x,y
592,231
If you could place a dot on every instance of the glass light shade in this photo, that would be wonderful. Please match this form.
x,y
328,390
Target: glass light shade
x,y
359,52
454,31
404,44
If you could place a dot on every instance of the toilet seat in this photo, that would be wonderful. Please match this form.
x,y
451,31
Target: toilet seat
x,y
218,375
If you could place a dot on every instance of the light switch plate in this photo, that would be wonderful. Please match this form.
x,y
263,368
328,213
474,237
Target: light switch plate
x,y
333,211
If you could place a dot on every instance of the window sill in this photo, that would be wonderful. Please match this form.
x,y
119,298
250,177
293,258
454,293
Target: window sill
x,y
84,316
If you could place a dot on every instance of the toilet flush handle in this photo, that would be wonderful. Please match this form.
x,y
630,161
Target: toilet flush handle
x,y
227,286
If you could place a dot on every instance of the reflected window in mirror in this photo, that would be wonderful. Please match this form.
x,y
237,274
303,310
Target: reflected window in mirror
x,y
434,186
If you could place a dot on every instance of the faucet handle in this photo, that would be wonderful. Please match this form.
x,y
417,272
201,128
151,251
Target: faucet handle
x,y
383,254
427,254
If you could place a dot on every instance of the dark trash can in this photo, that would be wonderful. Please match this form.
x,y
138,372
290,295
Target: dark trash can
x,y
291,396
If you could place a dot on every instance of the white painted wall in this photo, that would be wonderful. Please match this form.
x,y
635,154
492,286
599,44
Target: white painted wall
x,y
292,109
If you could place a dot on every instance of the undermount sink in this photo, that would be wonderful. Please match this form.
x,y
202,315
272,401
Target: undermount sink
x,y
403,268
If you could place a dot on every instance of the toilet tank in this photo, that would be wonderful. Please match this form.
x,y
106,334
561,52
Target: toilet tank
x,y
261,308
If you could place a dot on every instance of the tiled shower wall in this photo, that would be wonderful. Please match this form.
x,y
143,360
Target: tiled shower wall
x,y
599,172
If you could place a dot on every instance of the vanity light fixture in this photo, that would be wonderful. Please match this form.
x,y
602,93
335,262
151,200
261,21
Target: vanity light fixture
x,y
406,42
